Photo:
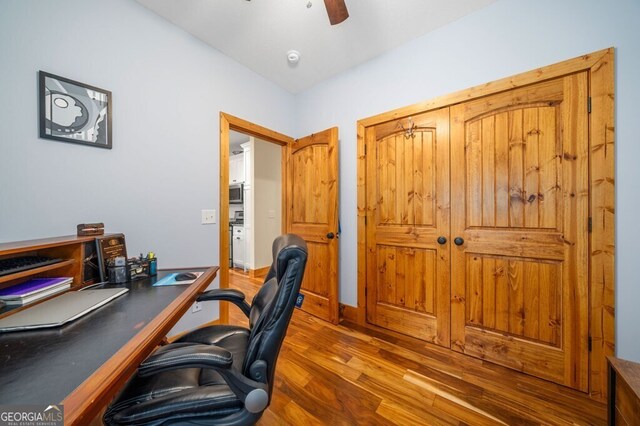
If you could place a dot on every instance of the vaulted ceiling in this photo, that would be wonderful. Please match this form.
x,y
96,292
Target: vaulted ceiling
x,y
259,33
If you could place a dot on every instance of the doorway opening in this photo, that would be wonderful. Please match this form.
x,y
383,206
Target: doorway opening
x,y
244,184
255,202
309,206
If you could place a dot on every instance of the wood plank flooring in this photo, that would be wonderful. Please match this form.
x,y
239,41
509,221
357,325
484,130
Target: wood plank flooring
x,y
350,375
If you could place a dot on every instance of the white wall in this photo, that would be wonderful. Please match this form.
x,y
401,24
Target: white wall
x,y
267,184
168,89
508,37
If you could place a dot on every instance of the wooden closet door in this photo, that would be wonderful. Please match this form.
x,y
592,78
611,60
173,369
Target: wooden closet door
x,y
519,186
407,211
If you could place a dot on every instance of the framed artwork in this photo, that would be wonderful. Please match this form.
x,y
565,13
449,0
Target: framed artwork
x,y
74,112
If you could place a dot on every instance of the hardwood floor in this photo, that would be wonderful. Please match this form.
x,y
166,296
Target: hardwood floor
x,y
348,375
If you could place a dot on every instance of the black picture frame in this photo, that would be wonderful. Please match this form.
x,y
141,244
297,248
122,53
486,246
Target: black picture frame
x,y
74,112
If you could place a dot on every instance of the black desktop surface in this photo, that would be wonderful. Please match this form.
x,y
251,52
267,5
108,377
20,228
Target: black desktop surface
x,y
44,366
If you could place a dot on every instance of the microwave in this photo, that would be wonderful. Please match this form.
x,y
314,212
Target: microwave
x,y
236,193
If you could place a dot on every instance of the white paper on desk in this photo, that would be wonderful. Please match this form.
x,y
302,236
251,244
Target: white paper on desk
x,y
171,279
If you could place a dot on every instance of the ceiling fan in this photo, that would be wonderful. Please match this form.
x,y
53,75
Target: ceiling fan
x,y
337,11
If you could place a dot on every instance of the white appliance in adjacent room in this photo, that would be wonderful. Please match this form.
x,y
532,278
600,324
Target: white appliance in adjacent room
x,y
237,240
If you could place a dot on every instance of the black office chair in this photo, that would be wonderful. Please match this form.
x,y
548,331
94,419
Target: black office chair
x,y
219,375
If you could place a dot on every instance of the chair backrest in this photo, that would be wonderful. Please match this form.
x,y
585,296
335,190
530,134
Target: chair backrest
x,y
273,306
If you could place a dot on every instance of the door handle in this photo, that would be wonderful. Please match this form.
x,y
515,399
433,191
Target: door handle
x,y
442,240
459,241
330,235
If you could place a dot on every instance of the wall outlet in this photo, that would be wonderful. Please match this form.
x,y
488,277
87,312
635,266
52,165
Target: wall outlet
x,y
197,307
208,217
272,214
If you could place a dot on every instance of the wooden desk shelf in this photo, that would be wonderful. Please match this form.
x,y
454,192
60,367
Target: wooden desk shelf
x,y
73,250
30,273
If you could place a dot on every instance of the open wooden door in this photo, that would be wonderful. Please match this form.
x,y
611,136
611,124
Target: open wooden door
x,y
312,212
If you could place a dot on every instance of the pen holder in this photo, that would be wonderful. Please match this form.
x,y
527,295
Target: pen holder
x,y
153,267
137,269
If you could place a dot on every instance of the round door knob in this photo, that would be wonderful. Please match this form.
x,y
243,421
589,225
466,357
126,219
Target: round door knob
x,y
459,241
330,235
442,240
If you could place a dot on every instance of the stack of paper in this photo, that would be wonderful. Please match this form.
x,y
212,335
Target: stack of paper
x,y
34,289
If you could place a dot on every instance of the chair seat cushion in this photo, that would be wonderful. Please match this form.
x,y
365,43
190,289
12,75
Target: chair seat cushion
x,y
190,392
232,338
182,406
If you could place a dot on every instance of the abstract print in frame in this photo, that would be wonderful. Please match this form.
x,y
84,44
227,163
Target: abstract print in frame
x,y
74,112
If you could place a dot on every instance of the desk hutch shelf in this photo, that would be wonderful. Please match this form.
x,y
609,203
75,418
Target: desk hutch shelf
x,y
72,249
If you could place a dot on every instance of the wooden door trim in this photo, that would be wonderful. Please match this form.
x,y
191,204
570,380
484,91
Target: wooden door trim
x,y
600,66
602,213
229,122
580,63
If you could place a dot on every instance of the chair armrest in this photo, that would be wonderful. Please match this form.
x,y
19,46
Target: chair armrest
x,y
254,395
228,294
177,356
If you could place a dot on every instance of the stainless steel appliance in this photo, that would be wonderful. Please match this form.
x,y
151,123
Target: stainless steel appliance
x,y
238,218
236,193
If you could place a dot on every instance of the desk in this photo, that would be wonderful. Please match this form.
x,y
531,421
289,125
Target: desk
x,y
624,392
83,364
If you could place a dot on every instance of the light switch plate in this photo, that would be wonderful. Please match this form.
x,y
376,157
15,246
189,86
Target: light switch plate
x,y
208,217
272,214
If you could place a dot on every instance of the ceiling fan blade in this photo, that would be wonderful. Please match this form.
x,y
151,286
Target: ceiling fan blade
x,y
337,11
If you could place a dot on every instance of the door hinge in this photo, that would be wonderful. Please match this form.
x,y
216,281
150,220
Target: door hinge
x,y
365,221
589,104
589,344
590,225
365,150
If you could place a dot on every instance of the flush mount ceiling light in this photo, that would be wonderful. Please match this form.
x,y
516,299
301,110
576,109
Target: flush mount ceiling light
x,y
293,56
